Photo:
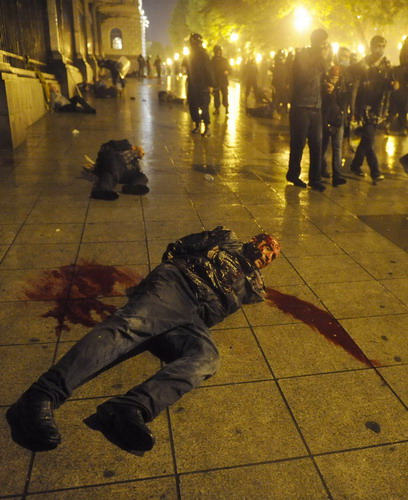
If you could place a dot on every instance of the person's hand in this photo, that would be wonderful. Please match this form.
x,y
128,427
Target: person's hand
x,y
329,87
210,89
395,85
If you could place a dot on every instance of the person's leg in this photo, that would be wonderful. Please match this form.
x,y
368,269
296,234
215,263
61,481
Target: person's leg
x,y
360,153
192,357
299,124
108,171
225,103
193,107
204,103
337,151
315,148
216,94
78,100
325,144
370,153
134,182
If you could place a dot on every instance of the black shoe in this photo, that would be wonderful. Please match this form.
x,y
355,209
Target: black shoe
x,y
206,132
357,171
339,181
325,174
138,189
404,162
297,182
196,129
378,177
32,417
226,110
126,423
317,186
217,111
104,194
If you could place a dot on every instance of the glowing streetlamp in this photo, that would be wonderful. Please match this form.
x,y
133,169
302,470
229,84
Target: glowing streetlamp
x,y
361,49
232,62
176,56
234,37
186,51
169,61
302,19
335,47
272,54
258,57
239,60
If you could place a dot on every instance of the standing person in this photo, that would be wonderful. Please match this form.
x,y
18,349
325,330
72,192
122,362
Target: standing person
x,y
142,64
279,81
221,69
149,66
374,79
305,116
399,97
251,78
333,113
203,278
158,65
200,82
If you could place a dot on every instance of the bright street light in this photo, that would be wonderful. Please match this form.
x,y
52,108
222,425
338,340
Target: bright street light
x,y
186,51
302,19
335,47
234,37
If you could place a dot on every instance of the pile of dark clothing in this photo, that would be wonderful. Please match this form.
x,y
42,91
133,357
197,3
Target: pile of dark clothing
x,y
102,91
268,111
118,163
165,96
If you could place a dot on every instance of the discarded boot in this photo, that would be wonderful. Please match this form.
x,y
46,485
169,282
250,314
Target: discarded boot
x,y
137,189
33,416
126,423
102,194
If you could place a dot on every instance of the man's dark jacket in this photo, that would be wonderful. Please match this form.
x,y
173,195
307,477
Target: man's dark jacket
x,y
307,71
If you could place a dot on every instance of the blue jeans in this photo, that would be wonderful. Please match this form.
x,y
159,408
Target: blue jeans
x,y
336,135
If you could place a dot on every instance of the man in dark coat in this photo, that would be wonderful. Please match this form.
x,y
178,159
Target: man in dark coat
x,y
203,278
309,66
221,69
200,82
374,79
118,163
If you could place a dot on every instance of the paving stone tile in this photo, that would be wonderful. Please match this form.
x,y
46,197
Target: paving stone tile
x,y
329,269
154,489
384,265
331,224
49,233
124,214
332,410
172,230
383,338
398,287
86,457
15,215
241,359
263,211
113,231
361,298
224,212
235,320
265,313
21,366
296,349
23,322
48,214
39,256
280,226
281,273
308,245
243,228
295,479
14,461
363,242
251,424
375,473
396,376
112,253
8,232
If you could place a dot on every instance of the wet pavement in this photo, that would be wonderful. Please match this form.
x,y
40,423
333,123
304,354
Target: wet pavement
x,y
311,398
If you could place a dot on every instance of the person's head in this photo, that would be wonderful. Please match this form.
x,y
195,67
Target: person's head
x,y
343,56
262,249
196,40
319,41
217,50
377,46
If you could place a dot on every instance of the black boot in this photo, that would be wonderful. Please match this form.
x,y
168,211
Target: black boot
x,y
104,194
31,417
135,189
127,424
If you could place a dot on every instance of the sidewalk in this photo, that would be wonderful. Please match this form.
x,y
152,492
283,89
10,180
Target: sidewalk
x,y
296,411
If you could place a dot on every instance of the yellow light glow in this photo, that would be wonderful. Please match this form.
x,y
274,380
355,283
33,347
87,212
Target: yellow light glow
x,y
176,56
302,19
258,57
335,47
234,37
404,37
272,54
169,61
391,146
361,49
186,51
400,46
239,60
232,62
205,44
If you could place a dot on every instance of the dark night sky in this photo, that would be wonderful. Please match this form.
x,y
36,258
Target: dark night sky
x,y
158,13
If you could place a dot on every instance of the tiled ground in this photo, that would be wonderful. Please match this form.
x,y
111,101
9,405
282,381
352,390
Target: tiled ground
x,y
290,415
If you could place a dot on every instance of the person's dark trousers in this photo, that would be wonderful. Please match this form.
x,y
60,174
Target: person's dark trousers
x,y
199,101
335,134
305,124
162,315
73,107
110,171
217,97
366,150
